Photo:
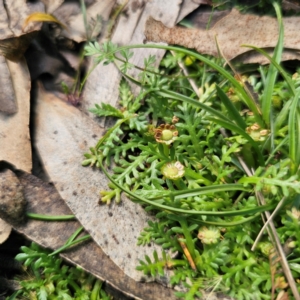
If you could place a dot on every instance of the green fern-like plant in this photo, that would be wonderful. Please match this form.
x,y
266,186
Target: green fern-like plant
x,y
49,278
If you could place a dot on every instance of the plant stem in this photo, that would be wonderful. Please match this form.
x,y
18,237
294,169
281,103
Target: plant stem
x,y
190,243
96,289
50,218
166,150
64,247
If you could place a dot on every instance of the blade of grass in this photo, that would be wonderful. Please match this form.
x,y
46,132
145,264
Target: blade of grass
x,y
281,144
294,139
283,115
75,242
232,111
74,235
183,98
206,190
238,77
273,72
50,218
83,10
223,224
283,73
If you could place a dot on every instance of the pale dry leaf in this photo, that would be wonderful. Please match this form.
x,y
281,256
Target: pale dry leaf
x,y
63,135
14,129
231,32
5,230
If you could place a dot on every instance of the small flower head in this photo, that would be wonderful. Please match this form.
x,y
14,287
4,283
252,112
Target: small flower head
x,y
292,244
210,235
257,133
175,120
277,101
295,76
166,134
266,248
173,170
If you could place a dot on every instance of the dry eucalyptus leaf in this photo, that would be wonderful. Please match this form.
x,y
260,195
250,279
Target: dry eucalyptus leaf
x,y
43,198
63,134
12,201
231,32
5,230
13,44
14,129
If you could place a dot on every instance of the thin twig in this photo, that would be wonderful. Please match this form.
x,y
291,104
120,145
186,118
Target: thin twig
x,y
279,205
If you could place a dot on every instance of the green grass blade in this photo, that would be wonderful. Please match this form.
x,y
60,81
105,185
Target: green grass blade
x,y
66,246
50,218
225,224
283,73
282,116
281,144
294,138
266,101
232,111
183,98
207,190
